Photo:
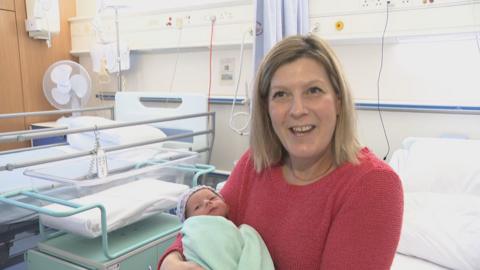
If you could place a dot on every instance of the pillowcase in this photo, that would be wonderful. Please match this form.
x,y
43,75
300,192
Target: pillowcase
x,y
440,165
108,137
442,228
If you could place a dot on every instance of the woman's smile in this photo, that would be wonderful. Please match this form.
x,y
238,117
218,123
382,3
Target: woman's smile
x,y
302,130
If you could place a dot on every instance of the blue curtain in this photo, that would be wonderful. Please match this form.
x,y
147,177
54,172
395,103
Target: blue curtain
x,y
276,19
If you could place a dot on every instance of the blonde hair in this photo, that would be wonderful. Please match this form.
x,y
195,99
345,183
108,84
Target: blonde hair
x,y
265,145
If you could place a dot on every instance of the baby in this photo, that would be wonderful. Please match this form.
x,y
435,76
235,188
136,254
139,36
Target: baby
x,y
211,240
201,200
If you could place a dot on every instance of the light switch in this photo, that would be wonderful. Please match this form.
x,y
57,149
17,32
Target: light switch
x,y
227,71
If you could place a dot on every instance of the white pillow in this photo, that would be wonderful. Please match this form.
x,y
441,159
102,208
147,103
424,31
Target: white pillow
x,y
442,165
83,141
84,121
442,228
108,137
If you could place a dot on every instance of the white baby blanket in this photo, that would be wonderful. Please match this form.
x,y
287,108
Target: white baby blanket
x,y
124,205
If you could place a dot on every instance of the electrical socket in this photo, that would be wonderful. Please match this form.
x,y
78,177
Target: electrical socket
x,y
400,3
380,3
179,22
219,17
365,4
374,4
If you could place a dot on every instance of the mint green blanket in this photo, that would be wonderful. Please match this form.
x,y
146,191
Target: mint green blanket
x,y
215,243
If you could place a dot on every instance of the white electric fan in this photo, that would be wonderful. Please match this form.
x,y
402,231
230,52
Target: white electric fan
x,y
67,85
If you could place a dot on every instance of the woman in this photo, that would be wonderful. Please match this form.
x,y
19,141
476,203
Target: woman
x,y
318,199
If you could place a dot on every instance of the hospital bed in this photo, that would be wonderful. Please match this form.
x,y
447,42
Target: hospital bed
x,y
441,225
185,123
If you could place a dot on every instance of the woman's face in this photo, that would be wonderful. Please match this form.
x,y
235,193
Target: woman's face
x,y
205,202
303,108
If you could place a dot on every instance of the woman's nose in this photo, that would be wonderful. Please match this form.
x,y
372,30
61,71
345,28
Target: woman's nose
x,y
298,106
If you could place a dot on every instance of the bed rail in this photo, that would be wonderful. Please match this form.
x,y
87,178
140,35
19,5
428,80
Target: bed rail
x,y
25,136
55,112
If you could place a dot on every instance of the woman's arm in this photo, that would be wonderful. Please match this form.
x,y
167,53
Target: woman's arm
x,y
365,232
173,259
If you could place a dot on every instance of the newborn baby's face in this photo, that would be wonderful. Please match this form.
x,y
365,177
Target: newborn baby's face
x,y
206,202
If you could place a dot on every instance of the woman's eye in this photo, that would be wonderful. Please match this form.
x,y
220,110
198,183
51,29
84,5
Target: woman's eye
x,y
314,90
279,94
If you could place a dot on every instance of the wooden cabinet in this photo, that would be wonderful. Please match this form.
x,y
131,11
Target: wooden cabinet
x,y
7,5
11,94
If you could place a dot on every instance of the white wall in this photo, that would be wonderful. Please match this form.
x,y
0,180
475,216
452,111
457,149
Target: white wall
x,y
154,72
422,71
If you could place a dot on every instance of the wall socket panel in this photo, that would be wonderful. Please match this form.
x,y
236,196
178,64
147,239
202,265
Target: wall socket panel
x,y
382,4
400,3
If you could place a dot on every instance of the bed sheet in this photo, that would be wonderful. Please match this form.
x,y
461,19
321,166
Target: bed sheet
x,y
404,262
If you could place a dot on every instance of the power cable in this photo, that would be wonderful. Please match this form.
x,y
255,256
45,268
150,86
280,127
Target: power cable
x,y
378,85
179,42
240,130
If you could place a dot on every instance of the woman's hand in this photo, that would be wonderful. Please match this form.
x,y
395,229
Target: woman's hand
x,y
174,261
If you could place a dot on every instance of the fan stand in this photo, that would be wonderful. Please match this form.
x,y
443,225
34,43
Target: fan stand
x,y
75,101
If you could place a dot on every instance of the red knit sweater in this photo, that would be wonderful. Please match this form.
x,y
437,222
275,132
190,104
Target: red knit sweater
x,y
350,219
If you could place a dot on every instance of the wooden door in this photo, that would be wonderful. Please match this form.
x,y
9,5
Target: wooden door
x,y
7,5
11,94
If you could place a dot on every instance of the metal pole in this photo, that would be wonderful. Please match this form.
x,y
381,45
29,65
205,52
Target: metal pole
x,y
13,166
119,61
23,136
54,112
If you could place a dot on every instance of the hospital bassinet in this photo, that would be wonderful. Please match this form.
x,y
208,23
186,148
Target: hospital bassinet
x,y
128,236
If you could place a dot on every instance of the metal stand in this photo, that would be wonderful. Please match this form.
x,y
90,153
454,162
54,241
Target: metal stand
x,y
119,60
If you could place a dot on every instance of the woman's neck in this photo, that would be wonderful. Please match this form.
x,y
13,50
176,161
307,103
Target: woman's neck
x,y
303,172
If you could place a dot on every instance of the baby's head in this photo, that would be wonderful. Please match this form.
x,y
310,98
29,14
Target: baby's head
x,y
201,200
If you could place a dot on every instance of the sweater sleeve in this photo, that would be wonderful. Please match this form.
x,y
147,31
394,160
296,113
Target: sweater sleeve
x,y
175,246
365,231
235,186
